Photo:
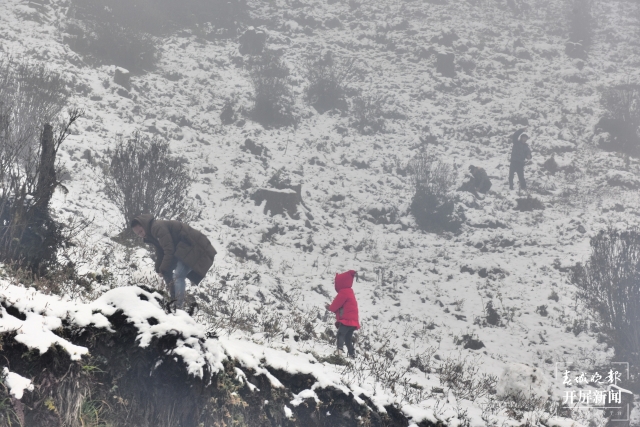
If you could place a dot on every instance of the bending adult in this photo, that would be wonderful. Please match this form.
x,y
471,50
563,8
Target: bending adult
x,y
181,252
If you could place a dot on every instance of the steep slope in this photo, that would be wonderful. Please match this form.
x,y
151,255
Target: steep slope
x,y
420,291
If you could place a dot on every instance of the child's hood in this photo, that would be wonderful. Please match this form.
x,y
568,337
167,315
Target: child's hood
x,y
344,280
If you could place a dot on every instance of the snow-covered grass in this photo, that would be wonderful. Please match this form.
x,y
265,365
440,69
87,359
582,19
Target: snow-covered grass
x,y
421,291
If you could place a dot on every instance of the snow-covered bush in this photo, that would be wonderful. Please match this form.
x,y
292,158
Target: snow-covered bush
x,y
31,102
159,16
462,376
368,113
110,43
327,78
144,177
622,118
273,102
229,111
527,204
624,179
432,205
580,22
609,285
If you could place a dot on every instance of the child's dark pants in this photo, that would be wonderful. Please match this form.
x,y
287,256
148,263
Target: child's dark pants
x,y
345,336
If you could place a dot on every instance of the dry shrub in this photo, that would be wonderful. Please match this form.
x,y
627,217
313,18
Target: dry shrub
x,y
527,408
580,22
274,102
32,128
368,113
432,205
327,77
527,204
609,285
144,177
622,118
105,42
160,16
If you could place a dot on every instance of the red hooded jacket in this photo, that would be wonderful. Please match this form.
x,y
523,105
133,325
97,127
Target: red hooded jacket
x,y
344,304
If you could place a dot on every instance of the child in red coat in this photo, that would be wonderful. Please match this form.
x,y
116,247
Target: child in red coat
x,y
346,308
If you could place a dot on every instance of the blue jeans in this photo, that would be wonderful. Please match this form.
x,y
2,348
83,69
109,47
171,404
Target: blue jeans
x,y
177,283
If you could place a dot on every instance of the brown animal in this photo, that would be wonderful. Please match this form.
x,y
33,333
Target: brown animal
x,y
278,201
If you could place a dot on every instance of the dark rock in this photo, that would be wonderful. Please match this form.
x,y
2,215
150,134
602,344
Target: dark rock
x,y
228,113
527,204
173,76
122,77
558,266
124,93
505,243
474,344
489,224
575,50
519,120
446,38
255,149
333,23
469,342
305,248
382,214
359,165
445,63
243,252
550,165
252,41
467,269
316,161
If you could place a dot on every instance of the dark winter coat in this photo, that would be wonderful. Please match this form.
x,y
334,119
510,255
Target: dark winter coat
x,y
481,180
344,304
520,152
173,241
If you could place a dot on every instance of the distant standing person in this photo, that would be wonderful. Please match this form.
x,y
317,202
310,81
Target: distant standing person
x,y
345,307
181,252
520,153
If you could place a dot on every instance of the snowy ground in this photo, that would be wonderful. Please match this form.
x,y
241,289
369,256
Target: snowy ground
x,y
421,290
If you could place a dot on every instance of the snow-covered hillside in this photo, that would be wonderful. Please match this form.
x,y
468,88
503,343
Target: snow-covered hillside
x,y
422,296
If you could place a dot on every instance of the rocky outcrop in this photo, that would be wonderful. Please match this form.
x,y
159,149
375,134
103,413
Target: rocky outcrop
x,y
124,360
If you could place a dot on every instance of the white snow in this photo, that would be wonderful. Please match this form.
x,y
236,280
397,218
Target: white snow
x,y
406,272
287,412
16,383
519,378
